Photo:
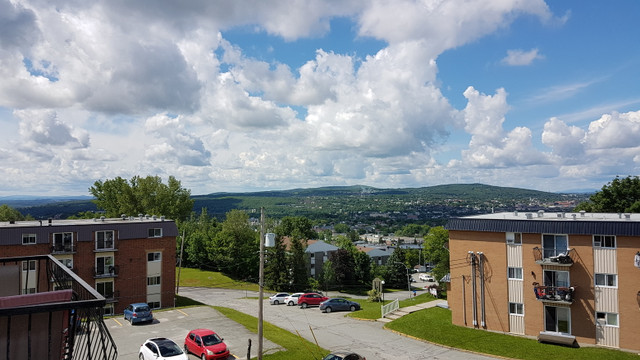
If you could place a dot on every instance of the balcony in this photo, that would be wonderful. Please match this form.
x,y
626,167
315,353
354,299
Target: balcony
x,y
62,249
112,297
61,319
557,257
554,294
106,271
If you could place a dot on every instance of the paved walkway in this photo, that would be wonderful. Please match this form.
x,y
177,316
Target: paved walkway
x,y
413,308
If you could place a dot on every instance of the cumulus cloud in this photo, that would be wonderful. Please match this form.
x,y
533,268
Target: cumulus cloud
x,y
44,128
176,143
521,57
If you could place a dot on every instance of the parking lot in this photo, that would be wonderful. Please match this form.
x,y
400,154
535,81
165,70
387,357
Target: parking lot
x,y
175,324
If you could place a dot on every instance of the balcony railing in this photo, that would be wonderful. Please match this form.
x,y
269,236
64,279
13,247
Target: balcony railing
x,y
62,249
106,271
558,257
555,294
62,319
112,296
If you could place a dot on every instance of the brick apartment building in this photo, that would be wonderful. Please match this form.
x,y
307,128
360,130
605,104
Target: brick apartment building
x,y
127,260
562,278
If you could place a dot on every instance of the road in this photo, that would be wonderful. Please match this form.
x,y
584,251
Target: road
x,y
333,331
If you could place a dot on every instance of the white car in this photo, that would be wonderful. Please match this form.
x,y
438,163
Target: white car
x,y
278,298
292,299
160,349
426,277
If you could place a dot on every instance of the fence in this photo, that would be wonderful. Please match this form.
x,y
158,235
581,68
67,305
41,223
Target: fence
x,y
390,307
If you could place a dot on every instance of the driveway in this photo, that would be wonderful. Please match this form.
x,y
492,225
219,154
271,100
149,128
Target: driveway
x,y
333,331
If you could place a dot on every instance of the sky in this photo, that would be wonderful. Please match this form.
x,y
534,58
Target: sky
x,y
230,95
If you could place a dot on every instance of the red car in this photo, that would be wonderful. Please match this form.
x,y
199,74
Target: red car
x,y
308,299
205,344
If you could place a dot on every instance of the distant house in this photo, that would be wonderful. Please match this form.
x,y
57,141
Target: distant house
x,y
318,253
379,256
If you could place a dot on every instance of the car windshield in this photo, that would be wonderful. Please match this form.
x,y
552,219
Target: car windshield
x,y
142,308
212,339
332,357
169,348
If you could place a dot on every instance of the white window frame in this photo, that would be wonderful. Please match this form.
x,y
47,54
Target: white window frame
x,y
605,280
103,293
154,280
556,278
154,304
28,265
558,309
599,241
516,309
104,241
607,319
106,270
157,256
514,273
514,238
62,238
555,249
31,239
155,232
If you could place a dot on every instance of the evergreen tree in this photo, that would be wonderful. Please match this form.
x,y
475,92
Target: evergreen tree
x,y
396,272
276,271
298,265
235,248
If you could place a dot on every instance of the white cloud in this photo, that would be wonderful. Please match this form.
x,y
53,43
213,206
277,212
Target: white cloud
x,y
521,57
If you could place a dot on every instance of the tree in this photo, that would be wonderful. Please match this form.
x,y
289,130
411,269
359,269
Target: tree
x,y
298,265
362,269
7,213
618,196
435,251
276,271
341,228
296,226
143,196
396,271
328,276
235,248
200,232
343,266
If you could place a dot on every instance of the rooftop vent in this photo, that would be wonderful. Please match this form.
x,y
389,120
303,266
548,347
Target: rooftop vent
x,y
540,213
627,216
582,213
124,216
529,216
141,216
162,218
560,215
102,218
574,216
154,217
515,213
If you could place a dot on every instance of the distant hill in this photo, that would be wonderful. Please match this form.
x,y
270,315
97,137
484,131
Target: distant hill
x,y
340,203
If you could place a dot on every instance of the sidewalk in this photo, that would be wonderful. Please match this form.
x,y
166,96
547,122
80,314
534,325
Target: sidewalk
x,y
409,309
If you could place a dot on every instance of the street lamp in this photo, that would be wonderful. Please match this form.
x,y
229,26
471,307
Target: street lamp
x,y
382,290
408,281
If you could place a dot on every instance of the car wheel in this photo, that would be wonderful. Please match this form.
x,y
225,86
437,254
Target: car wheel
x,y
276,302
328,309
304,305
203,357
290,303
353,308
186,350
140,356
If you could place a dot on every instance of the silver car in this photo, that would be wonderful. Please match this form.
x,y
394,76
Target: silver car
x,y
292,299
278,298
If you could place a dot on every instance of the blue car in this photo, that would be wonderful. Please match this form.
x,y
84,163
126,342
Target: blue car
x,y
138,312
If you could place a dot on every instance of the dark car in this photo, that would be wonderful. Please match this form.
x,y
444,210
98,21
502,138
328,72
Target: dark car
x,y
138,312
338,304
342,355
311,299
205,344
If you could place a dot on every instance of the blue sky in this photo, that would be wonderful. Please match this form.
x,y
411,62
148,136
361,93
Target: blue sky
x,y
249,95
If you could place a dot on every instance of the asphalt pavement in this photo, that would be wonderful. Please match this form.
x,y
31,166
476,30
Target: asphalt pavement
x,y
332,331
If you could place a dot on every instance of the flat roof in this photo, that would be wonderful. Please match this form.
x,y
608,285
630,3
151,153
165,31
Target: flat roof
x,y
72,222
550,223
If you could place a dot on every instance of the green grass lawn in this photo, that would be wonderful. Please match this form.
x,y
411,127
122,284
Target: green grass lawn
x,y
295,346
211,279
434,325
371,310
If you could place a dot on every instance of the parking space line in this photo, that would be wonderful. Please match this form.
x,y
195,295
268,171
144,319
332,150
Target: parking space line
x,y
116,320
182,312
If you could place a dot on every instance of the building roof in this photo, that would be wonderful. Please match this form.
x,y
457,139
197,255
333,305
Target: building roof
x,y
543,222
320,246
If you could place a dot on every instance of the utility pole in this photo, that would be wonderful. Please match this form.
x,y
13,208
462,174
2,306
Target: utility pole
x,y
261,284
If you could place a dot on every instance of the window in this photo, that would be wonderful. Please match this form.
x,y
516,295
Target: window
x,y
153,280
28,291
67,262
606,319
28,239
105,289
63,242
554,245
556,278
610,280
29,265
155,232
604,241
514,238
154,304
557,319
516,309
104,240
104,265
154,256
514,273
